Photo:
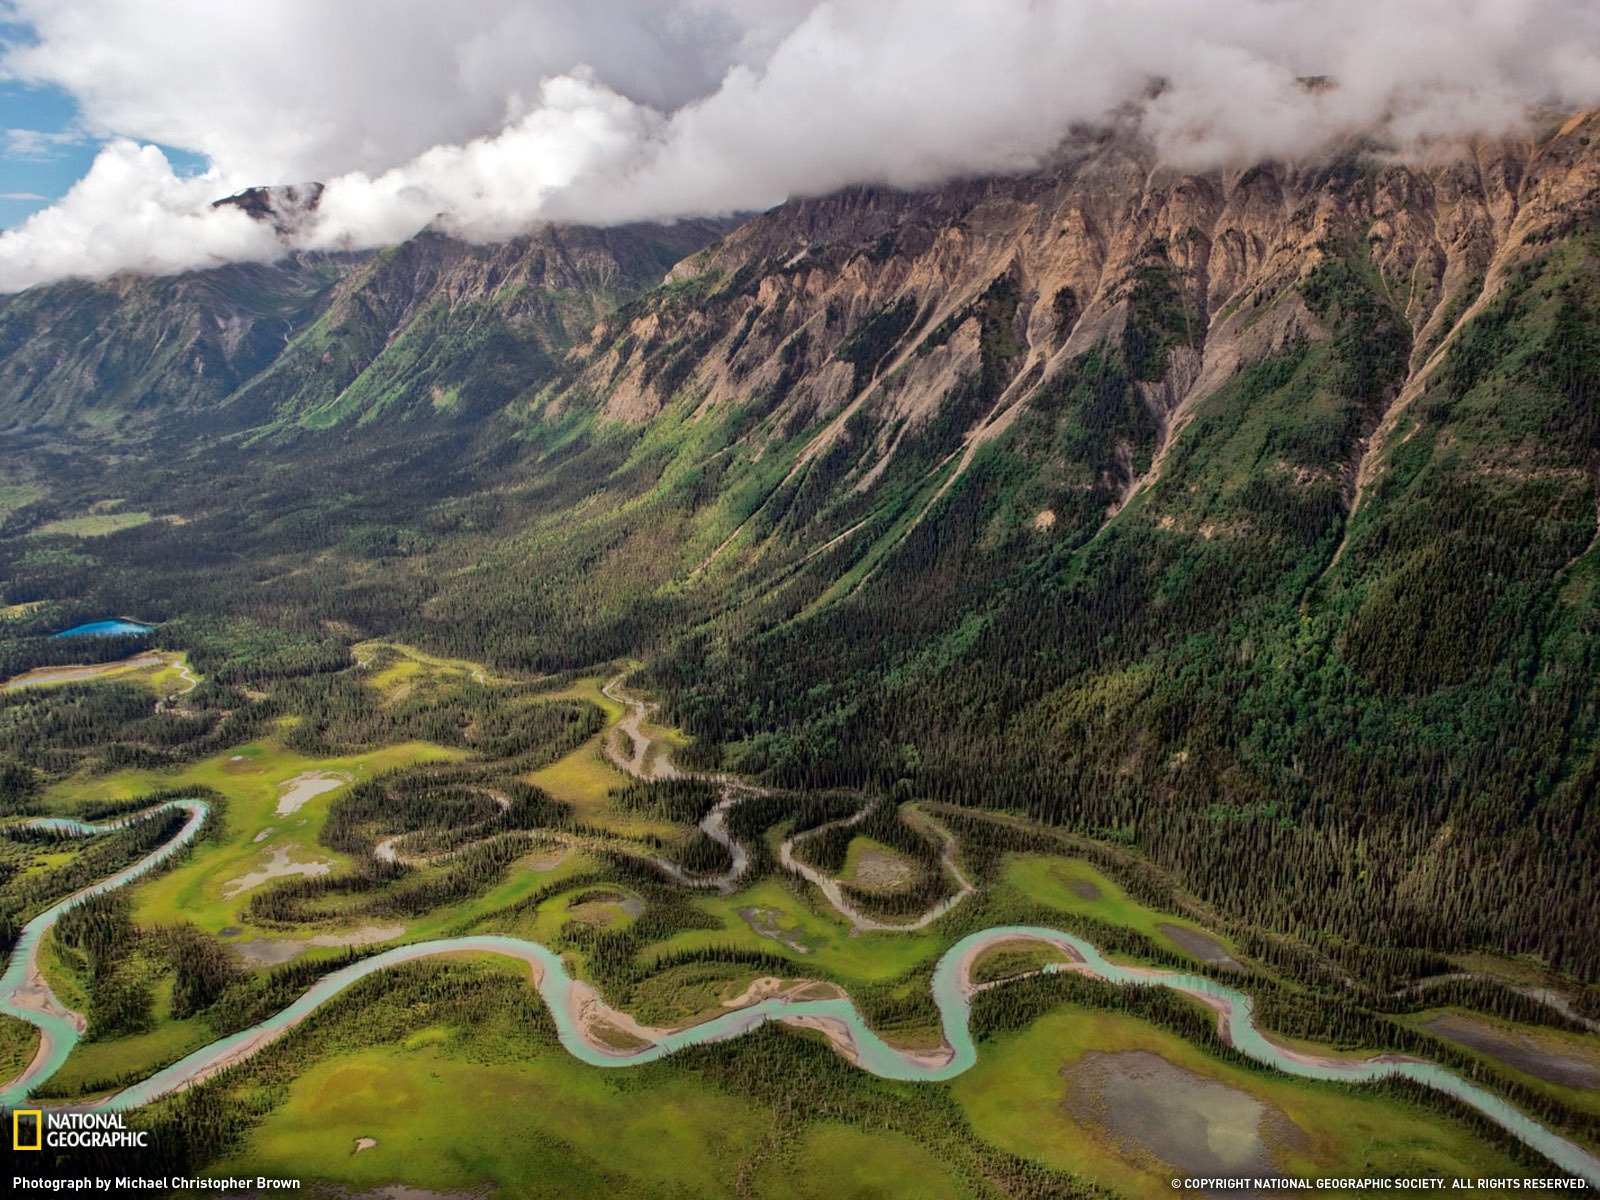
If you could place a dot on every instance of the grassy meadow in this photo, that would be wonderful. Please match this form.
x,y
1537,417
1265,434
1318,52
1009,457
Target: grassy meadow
x,y
444,1075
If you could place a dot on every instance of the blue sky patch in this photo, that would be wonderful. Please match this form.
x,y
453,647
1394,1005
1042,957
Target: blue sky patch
x,y
44,146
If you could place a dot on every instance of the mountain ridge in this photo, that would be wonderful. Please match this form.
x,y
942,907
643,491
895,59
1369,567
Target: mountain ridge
x,y
1247,517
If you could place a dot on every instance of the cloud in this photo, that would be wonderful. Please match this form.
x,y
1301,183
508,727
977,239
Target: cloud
x,y
299,89
490,116
23,196
131,213
40,145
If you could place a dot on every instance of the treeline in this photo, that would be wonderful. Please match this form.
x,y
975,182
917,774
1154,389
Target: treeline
x,y
749,819
24,895
680,801
380,889
51,732
339,713
827,849
438,809
24,650
1369,735
1386,759
96,940
701,854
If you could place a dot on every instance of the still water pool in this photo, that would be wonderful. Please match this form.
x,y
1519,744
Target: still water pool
x,y
113,628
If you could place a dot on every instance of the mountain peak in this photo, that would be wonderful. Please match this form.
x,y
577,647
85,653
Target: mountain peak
x,y
285,205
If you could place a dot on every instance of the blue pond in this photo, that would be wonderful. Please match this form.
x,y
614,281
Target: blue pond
x,y
105,629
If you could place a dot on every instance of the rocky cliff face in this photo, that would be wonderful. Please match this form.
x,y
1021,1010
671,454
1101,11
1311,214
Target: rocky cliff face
x,y
285,206
880,307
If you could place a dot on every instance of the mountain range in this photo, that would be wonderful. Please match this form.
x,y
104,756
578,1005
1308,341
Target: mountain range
x,y
1245,516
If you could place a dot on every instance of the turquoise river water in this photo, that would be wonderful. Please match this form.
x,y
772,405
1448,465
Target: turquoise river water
x,y
20,996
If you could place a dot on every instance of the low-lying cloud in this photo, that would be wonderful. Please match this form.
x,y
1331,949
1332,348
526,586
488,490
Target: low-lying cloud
x,y
486,118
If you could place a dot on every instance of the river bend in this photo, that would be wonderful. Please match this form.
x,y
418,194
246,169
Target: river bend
x,y
24,994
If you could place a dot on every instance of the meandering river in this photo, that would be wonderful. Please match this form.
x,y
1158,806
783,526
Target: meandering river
x,y
24,994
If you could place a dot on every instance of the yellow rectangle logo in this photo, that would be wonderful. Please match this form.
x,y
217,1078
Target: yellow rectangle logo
x,y
38,1128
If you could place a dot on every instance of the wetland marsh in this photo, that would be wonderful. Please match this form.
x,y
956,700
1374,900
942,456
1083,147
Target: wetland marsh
x,y
602,922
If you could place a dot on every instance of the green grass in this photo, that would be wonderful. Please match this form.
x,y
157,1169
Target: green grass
x,y
859,848
1014,1099
522,881
1075,886
475,1105
590,690
63,979
1007,959
544,923
97,524
832,949
92,1064
392,678
585,780
1510,970
407,663
14,496
249,776
455,1108
18,1043
688,993
834,1161
98,1066
550,1126
48,861
164,678
169,680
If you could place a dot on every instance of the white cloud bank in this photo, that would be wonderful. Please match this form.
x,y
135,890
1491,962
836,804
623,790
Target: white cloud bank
x,y
493,115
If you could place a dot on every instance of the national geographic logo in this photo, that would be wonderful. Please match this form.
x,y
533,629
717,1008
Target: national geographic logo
x,y
22,1121
35,1129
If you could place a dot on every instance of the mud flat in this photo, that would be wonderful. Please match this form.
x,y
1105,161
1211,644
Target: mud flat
x,y
70,674
770,987
271,952
645,759
764,921
1528,1052
279,866
1203,946
307,786
882,871
1145,1107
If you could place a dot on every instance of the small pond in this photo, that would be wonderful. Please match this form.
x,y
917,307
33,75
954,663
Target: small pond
x,y
112,628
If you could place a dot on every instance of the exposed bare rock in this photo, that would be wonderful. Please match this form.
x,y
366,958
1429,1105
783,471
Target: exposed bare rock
x,y
774,316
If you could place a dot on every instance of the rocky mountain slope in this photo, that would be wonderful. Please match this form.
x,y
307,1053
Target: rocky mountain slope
x,y
224,348
867,318
1247,516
